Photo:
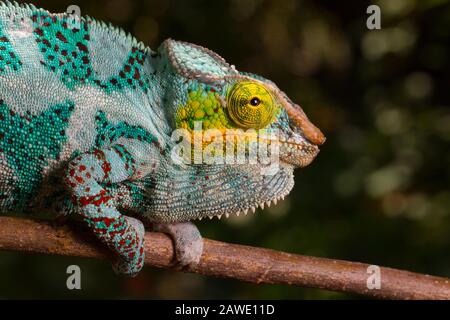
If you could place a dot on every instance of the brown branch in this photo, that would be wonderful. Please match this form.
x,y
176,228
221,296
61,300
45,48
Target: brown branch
x,y
256,265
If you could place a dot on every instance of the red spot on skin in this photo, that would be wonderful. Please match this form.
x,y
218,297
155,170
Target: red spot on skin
x,y
106,221
79,179
136,74
106,166
96,200
97,230
118,152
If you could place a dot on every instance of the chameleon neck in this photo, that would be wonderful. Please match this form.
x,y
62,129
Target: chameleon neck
x,y
232,188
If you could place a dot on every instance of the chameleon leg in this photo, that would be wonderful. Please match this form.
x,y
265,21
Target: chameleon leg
x,y
188,242
88,177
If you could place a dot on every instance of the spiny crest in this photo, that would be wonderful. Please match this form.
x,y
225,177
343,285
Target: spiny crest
x,y
196,62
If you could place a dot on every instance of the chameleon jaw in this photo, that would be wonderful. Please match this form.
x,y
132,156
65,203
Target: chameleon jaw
x,y
298,155
292,154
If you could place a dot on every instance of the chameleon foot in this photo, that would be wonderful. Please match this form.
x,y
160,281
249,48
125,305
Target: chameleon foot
x,y
188,243
132,267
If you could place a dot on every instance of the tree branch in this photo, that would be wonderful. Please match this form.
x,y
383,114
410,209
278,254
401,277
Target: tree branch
x,y
256,265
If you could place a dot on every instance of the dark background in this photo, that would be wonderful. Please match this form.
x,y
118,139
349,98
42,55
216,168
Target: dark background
x,y
378,191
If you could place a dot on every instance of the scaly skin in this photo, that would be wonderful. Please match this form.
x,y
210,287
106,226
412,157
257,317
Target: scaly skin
x,y
86,119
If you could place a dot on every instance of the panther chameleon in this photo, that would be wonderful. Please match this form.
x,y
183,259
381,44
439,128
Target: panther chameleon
x,y
86,120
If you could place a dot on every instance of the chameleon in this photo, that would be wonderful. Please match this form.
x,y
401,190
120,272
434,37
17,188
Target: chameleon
x,y
87,116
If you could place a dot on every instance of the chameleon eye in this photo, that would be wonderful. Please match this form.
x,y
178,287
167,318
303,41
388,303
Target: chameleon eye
x,y
250,105
255,101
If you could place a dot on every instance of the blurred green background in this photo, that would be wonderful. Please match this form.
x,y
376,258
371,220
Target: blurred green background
x,y
378,191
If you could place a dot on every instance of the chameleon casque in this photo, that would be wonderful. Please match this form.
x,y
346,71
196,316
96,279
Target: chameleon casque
x,y
86,117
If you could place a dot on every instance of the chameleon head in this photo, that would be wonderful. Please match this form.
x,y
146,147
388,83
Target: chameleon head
x,y
205,89
218,97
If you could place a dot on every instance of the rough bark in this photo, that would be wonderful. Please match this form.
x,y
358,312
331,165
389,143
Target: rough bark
x,y
219,259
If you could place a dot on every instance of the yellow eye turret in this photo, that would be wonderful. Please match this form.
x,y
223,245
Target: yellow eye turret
x,y
250,105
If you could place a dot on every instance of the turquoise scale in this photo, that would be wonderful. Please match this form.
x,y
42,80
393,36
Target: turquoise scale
x,y
29,142
64,47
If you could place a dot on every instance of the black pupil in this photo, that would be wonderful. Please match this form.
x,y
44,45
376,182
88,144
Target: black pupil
x,y
255,101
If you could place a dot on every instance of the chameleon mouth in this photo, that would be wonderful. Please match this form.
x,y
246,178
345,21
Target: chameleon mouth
x,y
298,154
293,152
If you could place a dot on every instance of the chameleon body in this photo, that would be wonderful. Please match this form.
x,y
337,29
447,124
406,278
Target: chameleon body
x,y
86,121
